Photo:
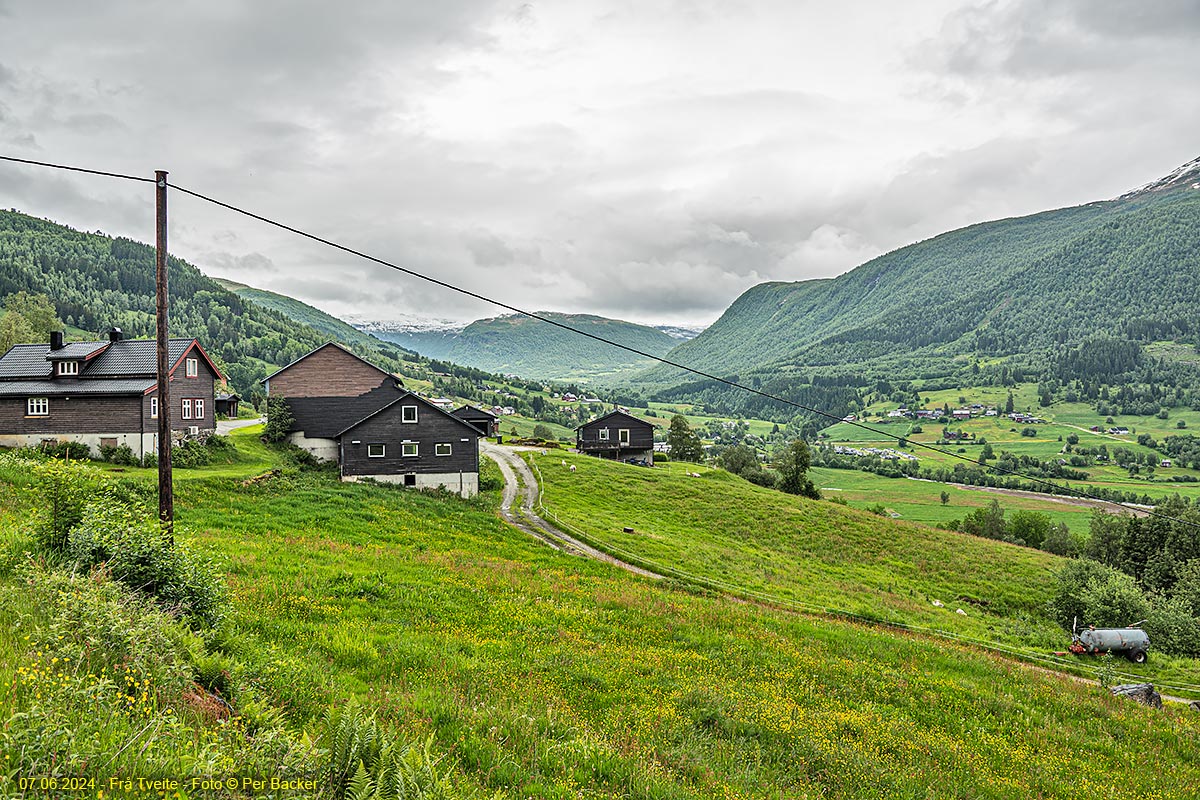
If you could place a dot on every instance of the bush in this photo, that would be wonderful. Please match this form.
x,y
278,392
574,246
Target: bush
x,y
137,553
1061,541
219,443
279,420
118,454
1029,432
661,458
64,490
190,454
68,451
1172,628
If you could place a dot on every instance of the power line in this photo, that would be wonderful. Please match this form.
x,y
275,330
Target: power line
x,y
1066,490
77,169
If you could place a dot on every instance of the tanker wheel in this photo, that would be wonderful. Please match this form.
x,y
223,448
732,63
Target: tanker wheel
x,y
1138,656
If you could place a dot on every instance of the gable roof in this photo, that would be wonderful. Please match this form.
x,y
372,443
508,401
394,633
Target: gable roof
x,y
408,395
75,351
126,358
341,347
473,412
617,414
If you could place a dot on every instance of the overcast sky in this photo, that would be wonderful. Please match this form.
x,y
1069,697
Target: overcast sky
x,y
638,159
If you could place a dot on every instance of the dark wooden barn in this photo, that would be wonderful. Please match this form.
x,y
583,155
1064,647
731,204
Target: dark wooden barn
x,y
412,442
617,435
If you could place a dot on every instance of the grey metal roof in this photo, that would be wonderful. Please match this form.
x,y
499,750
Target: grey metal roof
x,y
60,387
135,357
26,361
74,351
123,359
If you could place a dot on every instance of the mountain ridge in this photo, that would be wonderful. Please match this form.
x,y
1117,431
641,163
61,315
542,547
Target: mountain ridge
x,y
994,289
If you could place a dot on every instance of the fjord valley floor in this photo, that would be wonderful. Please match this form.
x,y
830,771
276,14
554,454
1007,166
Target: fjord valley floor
x,y
543,675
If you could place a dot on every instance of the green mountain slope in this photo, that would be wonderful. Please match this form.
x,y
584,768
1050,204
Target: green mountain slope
x,y
528,347
305,314
96,282
1013,287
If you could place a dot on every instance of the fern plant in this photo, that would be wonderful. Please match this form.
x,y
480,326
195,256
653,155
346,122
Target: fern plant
x,y
367,763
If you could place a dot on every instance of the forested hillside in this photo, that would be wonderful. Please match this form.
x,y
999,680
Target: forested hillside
x,y
989,303
96,282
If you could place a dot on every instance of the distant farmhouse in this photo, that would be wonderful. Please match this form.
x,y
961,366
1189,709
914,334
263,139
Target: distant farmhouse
x,y
103,394
617,435
487,423
346,409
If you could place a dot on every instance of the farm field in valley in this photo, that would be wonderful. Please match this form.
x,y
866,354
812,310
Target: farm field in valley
x,y
1062,420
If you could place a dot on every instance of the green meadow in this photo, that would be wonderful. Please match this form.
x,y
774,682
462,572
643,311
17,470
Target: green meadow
x,y
534,674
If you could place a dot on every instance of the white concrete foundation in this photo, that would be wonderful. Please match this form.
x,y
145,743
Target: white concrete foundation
x,y
464,484
139,443
320,449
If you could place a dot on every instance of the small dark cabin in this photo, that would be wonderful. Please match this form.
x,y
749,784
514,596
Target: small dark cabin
x,y
616,435
227,404
487,423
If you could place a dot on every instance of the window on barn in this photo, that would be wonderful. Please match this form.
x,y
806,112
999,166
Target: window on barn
x,y
154,408
376,451
603,434
68,368
187,409
408,413
623,436
441,449
37,406
192,367
408,449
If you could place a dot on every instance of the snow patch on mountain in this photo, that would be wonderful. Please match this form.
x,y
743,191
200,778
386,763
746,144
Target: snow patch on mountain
x,y
1183,175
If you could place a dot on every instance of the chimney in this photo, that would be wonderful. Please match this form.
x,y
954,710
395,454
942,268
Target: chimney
x,y
56,340
114,334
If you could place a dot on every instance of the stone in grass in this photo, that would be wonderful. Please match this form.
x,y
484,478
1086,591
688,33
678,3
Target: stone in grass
x,y
1141,692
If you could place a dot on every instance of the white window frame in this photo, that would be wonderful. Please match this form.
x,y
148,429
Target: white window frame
x,y
185,411
37,407
153,408
404,414
191,367
198,405
623,436
406,446
603,434
382,450
440,446
68,368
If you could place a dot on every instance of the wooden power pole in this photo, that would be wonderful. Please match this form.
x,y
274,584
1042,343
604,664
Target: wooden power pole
x,y
166,498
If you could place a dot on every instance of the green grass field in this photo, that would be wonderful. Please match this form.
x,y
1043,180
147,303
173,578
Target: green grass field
x,y
541,675
920,501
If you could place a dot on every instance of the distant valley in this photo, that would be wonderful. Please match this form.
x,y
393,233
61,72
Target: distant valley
x,y
531,348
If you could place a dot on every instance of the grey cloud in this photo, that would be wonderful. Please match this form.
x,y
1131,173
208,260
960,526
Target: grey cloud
x,y
1047,39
